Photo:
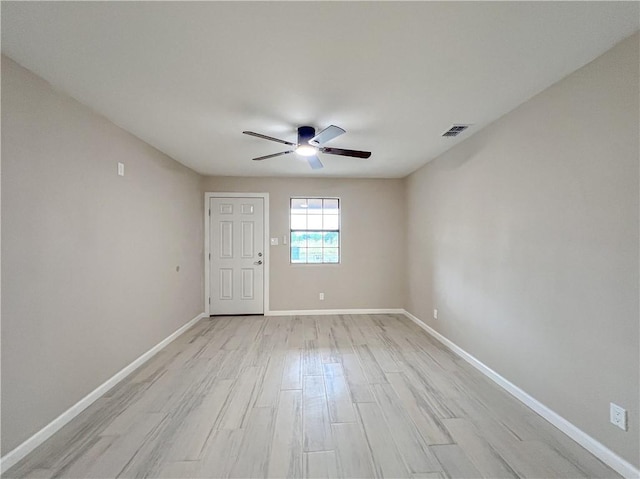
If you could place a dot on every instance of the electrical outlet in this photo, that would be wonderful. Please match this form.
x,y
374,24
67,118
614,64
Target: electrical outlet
x,y
435,314
321,296
618,416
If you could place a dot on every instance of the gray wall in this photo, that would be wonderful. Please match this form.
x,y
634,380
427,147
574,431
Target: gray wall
x,y
89,258
525,237
371,273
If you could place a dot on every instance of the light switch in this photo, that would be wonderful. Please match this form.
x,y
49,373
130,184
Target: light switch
x,y
284,239
120,169
274,241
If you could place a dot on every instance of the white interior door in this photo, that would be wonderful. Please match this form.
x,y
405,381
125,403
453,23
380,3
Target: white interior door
x,y
237,255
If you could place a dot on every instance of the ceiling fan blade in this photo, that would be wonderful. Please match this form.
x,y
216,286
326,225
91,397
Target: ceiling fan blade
x,y
260,158
314,162
328,134
265,137
343,152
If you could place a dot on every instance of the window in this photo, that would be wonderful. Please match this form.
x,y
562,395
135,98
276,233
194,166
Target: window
x,y
315,230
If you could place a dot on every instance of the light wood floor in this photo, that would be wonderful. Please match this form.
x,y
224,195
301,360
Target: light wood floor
x,y
325,396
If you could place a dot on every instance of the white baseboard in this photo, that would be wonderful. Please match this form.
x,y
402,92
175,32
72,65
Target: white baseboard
x,y
12,457
599,450
320,312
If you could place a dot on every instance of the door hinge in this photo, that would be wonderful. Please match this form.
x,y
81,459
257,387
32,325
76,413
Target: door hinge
x,y
209,299
209,212
209,256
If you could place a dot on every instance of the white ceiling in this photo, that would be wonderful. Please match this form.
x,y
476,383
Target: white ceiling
x,y
189,77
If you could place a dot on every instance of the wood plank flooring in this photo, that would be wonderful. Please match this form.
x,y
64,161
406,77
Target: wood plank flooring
x,y
366,396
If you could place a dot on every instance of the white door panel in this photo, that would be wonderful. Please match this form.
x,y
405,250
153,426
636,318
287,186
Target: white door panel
x,y
237,259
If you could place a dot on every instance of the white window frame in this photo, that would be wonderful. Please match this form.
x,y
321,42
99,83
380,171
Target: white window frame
x,y
311,197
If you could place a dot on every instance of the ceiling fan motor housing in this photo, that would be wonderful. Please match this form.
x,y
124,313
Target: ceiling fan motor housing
x,y
305,133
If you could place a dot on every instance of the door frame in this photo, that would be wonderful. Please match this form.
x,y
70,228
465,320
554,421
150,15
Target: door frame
x,y
207,236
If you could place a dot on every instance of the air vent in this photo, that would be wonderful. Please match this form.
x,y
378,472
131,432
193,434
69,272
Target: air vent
x,y
455,130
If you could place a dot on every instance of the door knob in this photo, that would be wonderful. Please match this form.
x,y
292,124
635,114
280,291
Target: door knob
x,y
257,262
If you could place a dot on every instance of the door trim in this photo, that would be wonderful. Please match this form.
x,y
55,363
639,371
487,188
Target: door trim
x,y
207,233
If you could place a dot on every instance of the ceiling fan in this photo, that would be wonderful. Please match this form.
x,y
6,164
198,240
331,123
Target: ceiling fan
x,y
310,144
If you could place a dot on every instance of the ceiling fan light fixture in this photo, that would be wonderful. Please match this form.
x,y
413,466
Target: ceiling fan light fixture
x,y
306,150
310,144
